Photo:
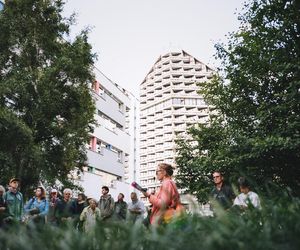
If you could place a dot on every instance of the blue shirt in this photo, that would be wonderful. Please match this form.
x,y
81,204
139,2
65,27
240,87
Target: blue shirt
x,y
42,205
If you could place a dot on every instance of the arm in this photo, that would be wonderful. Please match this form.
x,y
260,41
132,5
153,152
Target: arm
x,y
83,215
28,205
164,198
46,208
111,207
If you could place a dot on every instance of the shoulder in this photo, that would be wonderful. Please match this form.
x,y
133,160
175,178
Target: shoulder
x,y
253,194
227,189
167,183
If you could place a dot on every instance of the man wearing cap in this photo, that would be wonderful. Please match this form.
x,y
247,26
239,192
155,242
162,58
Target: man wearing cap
x,y
53,200
14,201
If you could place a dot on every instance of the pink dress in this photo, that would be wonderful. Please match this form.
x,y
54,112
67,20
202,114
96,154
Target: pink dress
x,y
166,197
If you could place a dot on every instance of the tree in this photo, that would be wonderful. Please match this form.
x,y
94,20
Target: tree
x,y
46,109
257,96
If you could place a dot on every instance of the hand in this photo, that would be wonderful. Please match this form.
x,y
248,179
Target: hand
x,y
2,209
146,194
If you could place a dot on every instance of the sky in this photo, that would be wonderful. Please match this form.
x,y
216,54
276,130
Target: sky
x,y
129,35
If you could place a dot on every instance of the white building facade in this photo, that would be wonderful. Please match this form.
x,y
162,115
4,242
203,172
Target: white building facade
x,y
111,152
169,104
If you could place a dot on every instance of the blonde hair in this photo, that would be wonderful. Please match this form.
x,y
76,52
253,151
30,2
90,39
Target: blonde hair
x,y
167,167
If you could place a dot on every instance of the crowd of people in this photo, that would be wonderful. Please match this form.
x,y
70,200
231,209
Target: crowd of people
x,y
61,210
83,213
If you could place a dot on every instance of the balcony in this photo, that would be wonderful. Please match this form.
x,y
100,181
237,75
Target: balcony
x,y
108,161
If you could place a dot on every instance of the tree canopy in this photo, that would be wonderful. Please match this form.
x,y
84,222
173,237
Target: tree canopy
x,y
46,109
256,95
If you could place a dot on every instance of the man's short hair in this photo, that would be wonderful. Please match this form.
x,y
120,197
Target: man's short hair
x,y
105,188
68,190
243,182
218,171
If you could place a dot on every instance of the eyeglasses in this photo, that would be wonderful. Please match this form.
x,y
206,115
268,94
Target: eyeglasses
x,y
217,176
157,171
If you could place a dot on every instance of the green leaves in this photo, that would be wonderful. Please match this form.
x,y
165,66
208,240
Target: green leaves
x,y
257,98
44,87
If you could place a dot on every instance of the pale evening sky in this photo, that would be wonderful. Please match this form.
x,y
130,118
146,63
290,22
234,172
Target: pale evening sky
x,y
130,35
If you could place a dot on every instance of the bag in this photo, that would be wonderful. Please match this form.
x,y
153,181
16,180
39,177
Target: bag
x,y
34,211
173,213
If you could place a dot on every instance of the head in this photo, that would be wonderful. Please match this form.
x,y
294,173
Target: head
x,y
244,185
67,194
105,190
40,193
164,170
14,183
81,197
133,196
120,197
93,203
217,177
2,190
53,193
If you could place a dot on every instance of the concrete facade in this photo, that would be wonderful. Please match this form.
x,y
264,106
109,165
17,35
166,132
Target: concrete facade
x,y
169,105
111,151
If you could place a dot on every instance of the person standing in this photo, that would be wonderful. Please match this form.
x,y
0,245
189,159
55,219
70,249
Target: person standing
x,y
90,215
136,209
37,207
166,201
79,205
64,210
106,204
3,208
221,192
14,201
247,197
53,200
120,208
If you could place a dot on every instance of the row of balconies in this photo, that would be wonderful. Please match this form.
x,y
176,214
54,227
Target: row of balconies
x,y
147,103
156,128
176,110
169,90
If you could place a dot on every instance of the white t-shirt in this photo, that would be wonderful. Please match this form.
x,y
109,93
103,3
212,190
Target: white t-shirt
x,y
137,205
244,199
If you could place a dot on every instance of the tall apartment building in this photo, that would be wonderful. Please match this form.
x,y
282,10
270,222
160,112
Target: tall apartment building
x,y
169,104
111,152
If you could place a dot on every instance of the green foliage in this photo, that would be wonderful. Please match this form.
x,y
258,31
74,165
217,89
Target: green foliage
x,y
45,104
276,226
256,95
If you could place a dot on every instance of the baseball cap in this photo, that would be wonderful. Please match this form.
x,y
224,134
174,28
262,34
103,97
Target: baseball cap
x,y
14,179
53,190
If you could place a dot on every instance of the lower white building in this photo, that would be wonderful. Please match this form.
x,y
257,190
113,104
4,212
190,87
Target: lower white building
x,y
112,149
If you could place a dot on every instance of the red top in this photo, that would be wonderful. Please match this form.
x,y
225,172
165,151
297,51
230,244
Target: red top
x,y
167,196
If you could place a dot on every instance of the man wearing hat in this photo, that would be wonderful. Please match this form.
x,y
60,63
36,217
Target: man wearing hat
x,y
14,201
53,200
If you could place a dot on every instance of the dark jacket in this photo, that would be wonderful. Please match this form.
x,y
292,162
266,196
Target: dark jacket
x,y
64,209
106,205
224,196
120,210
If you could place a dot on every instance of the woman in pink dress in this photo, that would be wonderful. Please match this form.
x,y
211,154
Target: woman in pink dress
x,y
166,201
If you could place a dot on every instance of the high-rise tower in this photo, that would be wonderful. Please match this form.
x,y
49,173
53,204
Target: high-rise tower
x,y
169,104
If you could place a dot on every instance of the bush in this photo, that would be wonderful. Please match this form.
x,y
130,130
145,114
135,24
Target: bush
x,y
276,226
